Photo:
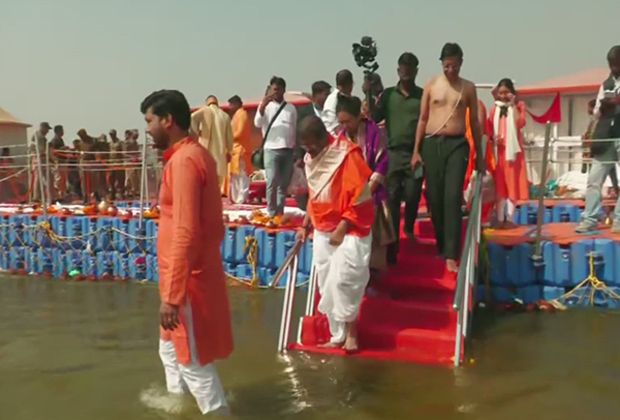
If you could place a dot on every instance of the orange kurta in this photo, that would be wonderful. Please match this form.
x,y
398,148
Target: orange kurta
x,y
242,131
489,154
510,177
188,252
338,188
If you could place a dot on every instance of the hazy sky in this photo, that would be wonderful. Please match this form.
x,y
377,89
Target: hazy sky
x,y
86,63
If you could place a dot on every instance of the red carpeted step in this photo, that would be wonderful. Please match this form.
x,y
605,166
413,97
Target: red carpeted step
x,y
391,355
424,289
432,315
386,337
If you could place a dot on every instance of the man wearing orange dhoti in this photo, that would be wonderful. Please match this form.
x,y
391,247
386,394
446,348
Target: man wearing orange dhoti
x,y
341,211
240,166
195,313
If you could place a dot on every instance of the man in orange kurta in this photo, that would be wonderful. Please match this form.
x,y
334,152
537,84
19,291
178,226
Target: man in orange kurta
x,y
342,212
240,166
195,314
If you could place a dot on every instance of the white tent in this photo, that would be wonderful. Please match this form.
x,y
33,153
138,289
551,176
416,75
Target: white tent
x,y
12,130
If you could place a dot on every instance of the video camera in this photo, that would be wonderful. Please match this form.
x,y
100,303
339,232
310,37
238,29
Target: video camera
x,y
365,54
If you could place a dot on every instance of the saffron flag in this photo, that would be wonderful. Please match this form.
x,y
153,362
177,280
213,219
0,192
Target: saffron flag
x,y
553,114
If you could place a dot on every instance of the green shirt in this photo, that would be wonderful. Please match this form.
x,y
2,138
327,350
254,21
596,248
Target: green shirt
x,y
401,114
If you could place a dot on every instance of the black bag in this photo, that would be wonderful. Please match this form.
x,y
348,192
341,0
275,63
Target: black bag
x,y
258,156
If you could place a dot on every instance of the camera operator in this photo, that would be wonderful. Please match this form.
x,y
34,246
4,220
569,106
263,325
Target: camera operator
x,y
399,107
344,86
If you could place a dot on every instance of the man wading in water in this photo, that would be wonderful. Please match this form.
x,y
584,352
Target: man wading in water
x,y
442,147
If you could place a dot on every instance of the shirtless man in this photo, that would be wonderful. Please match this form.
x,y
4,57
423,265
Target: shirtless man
x,y
441,145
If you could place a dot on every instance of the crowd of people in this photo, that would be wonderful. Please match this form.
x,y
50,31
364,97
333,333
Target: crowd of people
x,y
361,160
87,167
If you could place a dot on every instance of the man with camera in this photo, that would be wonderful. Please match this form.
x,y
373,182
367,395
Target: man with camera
x,y
604,154
399,107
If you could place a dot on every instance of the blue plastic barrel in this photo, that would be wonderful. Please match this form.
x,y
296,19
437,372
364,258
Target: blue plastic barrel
x,y
4,231
17,258
45,261
242,232
529,294
105,265
121,265
497,258
59,257
266,248
285,240
105,234
17,231
561,265
4,259
89,233
244,271
75,231
137,244
606,271
121,238
228,250
137,266
152,270
89,264
580,261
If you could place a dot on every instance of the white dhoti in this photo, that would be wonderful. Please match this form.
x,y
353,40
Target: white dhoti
x,y
202,382
240,185
342,274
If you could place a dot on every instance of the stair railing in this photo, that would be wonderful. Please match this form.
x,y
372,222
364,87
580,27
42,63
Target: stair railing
x,y
466,277
290,266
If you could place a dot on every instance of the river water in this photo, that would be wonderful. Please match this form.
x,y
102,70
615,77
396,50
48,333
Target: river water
x,y
72,351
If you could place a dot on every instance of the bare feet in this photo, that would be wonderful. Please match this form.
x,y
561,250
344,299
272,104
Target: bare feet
x,y
451,266
331,345
350,344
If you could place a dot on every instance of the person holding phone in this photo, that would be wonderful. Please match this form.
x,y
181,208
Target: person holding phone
x,y
277,120
506,120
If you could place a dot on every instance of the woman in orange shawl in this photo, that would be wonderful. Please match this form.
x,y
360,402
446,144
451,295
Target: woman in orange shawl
x,y
506,119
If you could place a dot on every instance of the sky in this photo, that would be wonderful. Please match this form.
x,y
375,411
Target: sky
x,y
88,64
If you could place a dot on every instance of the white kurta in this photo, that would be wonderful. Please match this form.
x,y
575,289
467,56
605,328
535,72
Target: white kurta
x,y
212,125
342,273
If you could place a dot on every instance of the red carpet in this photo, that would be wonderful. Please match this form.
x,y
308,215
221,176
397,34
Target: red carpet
x,y
409,317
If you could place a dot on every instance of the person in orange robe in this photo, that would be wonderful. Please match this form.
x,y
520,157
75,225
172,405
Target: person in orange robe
x,y
341,211
489,155
240,166
506,119
195,313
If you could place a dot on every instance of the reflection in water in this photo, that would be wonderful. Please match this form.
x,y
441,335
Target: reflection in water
x,y
89,351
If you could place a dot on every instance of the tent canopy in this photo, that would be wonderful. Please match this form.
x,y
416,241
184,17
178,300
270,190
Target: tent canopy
x,y
587,81
7,119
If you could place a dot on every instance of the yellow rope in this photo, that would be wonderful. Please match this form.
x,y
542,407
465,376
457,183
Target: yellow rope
x,y
594,283
251,247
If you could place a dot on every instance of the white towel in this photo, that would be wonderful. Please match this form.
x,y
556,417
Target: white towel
x,y
512,136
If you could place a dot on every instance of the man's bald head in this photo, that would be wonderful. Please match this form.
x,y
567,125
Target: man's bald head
x,y
313,135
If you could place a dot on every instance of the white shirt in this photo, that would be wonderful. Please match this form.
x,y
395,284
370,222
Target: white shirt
x,y
601,94
283,132
329,117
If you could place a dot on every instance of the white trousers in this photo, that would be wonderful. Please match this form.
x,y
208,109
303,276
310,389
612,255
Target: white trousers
x,y
342,274
505,210
202,382
239,188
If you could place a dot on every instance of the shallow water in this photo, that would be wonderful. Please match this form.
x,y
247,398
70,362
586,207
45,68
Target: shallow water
x,y
89,351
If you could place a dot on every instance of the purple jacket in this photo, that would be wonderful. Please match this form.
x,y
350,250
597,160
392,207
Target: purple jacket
x,y
376,156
